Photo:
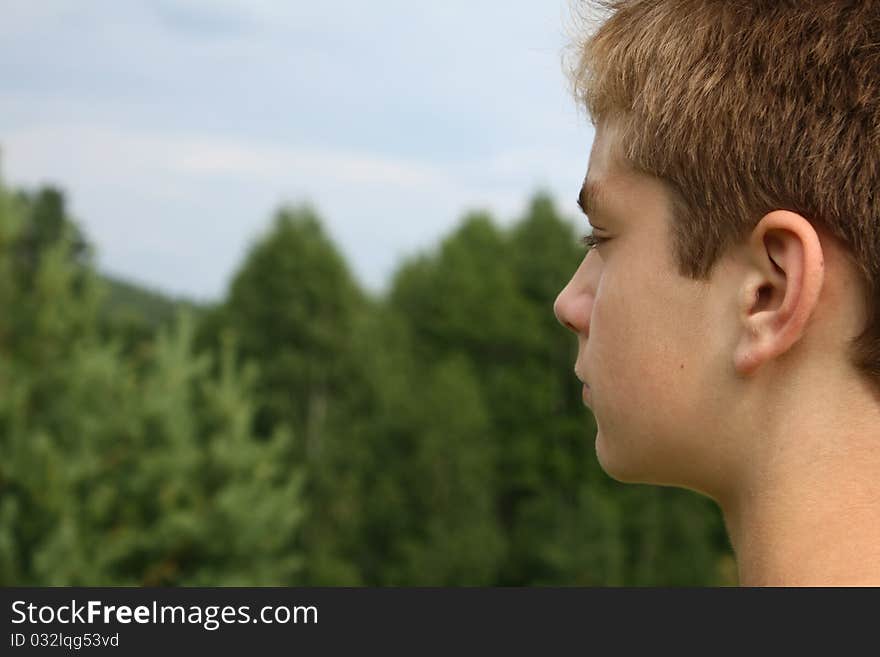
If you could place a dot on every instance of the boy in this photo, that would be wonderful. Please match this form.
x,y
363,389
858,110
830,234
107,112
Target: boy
x,y
728,310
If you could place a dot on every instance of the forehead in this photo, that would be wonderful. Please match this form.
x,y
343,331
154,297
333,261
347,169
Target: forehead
x,y
605,173
605,154
614,191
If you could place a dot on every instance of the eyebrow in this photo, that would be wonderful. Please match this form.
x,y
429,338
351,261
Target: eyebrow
x,y
590,198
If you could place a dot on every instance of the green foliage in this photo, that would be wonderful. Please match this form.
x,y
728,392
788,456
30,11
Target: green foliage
x,y
125,471
133,315
292,307
294,311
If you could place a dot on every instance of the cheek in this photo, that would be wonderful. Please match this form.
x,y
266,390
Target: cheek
x,y
650,357
628,328
641,348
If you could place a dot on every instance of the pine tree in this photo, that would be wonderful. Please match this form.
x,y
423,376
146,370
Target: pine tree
x,y
120,470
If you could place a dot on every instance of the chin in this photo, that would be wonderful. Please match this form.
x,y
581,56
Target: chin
x,y
627,465
619,466
631,466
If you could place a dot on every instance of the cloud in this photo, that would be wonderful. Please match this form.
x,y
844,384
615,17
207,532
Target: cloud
x,y
116,155
230,158
203,19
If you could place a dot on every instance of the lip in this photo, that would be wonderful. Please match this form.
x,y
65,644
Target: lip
x,y
585,394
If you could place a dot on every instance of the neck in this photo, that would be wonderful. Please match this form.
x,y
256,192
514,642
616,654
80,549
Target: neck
x,y
827,536
809,512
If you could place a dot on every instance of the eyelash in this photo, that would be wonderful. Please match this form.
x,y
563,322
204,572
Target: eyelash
x,y
591,241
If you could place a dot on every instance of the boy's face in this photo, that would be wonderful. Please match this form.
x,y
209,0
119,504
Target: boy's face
x,y
651,345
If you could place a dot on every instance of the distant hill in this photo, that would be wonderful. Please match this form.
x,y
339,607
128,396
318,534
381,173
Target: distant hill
x,y
131,302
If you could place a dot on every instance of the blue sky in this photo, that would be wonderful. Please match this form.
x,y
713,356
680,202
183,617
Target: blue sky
x,y
177,127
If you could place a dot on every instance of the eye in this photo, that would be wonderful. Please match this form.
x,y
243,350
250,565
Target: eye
x,y
591,241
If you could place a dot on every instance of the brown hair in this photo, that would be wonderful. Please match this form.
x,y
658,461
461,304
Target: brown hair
x,y
746,106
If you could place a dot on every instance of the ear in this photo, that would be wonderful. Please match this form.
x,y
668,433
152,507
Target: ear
x,y
781,289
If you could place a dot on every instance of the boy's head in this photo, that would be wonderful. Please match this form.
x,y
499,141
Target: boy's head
x,y
735,167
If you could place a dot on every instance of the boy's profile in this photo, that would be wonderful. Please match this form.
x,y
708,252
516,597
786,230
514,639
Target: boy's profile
x,y
728,312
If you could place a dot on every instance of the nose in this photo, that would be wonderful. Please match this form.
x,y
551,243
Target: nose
x,y
574,305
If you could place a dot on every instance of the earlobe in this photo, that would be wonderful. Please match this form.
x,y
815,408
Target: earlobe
x,y
780,292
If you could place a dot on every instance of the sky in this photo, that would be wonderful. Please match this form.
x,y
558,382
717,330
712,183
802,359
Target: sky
x,y
178,127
